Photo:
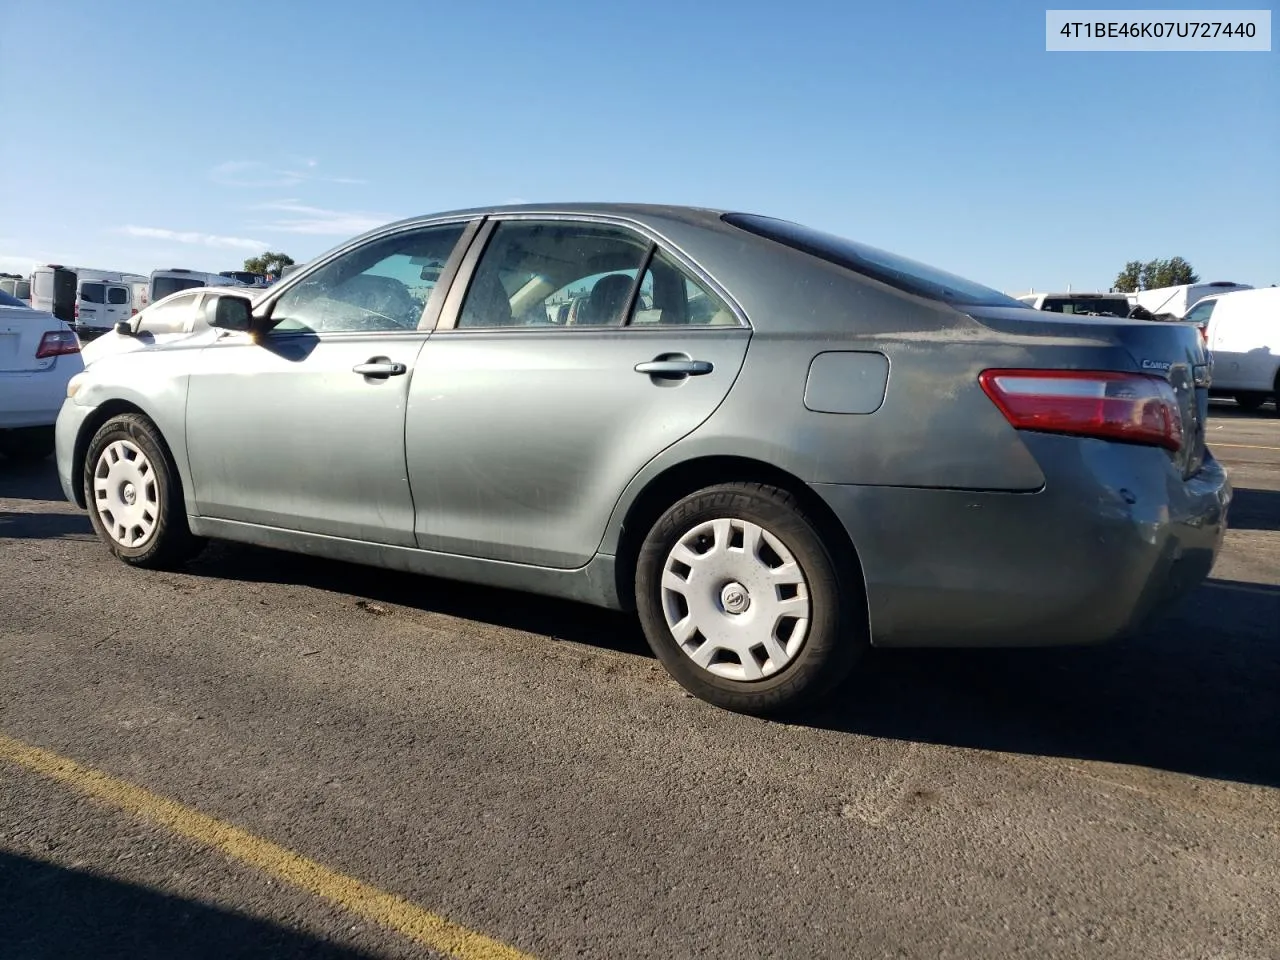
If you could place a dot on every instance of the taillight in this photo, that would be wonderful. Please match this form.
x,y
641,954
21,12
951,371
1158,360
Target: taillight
x,y
76,312
1130,407
55,343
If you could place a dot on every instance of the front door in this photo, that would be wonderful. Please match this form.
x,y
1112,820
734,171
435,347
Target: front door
x,y
303,427
526,420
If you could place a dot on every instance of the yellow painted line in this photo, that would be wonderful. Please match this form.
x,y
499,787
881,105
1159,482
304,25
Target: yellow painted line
x,y
1241,446
387,909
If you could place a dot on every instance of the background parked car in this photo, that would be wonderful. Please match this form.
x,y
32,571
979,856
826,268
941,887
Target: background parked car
x,y
17,287
1242,331
1086,304
38,355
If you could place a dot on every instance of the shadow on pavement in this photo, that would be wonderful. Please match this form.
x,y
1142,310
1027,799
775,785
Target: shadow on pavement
x,y
558,619
1254,509
30,481
1196,693
50,911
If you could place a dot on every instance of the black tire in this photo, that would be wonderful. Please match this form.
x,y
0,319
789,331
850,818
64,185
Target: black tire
x,y
1250,401
171,543
27,444
837,632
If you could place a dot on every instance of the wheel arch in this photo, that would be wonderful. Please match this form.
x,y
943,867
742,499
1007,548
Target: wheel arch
x,y
92,423
688,476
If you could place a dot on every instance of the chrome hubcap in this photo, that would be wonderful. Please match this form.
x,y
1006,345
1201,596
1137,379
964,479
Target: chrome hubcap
x,y
735,599
125,494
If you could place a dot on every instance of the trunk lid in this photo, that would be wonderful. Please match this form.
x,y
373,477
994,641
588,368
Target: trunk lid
x,y
20,333
1171,350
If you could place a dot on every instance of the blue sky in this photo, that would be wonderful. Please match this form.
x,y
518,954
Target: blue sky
x,y
146,134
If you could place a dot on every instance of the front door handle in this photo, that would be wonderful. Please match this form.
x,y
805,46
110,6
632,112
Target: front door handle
x,y
676,368
379,368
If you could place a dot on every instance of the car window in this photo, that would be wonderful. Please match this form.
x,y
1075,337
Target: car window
x,y
554,273
172,316
669,295
1103,306
93,292
163,286
117,295
8,301
383,285
907,275
1201,312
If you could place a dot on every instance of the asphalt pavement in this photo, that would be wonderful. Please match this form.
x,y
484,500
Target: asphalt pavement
x,y
524,769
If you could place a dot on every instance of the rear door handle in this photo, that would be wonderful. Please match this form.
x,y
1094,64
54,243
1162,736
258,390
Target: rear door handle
x,y
678,368
379,367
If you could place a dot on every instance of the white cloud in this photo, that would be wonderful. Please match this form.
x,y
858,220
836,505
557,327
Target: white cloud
x,y
193,237
257,173
318,221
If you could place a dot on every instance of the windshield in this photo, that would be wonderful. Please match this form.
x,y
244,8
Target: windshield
x,y
908,275
163,286
1103,306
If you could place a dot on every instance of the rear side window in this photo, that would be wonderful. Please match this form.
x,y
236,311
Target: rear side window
x,y
117,295
93,292
907,275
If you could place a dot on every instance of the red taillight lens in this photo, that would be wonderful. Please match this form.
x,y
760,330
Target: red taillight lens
x,y
1130,407
57,342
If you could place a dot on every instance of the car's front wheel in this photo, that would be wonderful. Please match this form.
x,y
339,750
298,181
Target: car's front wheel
x,y
745,603
134,495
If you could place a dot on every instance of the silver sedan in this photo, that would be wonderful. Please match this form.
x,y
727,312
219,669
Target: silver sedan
x,y
778,446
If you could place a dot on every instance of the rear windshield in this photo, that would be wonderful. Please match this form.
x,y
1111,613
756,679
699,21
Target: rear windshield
x,y
8,301
1102,306
93,292
908,275
117,295
163,286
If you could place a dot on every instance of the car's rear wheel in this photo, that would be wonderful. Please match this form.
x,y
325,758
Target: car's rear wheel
x,y
27,444
134,495
745,603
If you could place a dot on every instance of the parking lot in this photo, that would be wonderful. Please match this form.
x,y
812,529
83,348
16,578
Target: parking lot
x,y
281,756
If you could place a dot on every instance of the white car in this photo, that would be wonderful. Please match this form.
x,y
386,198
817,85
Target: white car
x,y
38,355
174,317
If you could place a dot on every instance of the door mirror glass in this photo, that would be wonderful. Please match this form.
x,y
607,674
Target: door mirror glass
x,y
228,311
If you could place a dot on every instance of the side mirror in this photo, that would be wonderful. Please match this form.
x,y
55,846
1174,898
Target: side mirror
x,y
124,328
229,311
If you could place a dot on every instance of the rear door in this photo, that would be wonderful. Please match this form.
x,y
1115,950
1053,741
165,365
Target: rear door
x,y
65,283
117,305
90,310
523,431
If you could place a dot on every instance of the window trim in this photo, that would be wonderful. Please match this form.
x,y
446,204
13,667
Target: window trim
x,y
447,323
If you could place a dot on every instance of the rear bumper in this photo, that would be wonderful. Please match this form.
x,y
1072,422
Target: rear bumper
x,y
1115,538
33,398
